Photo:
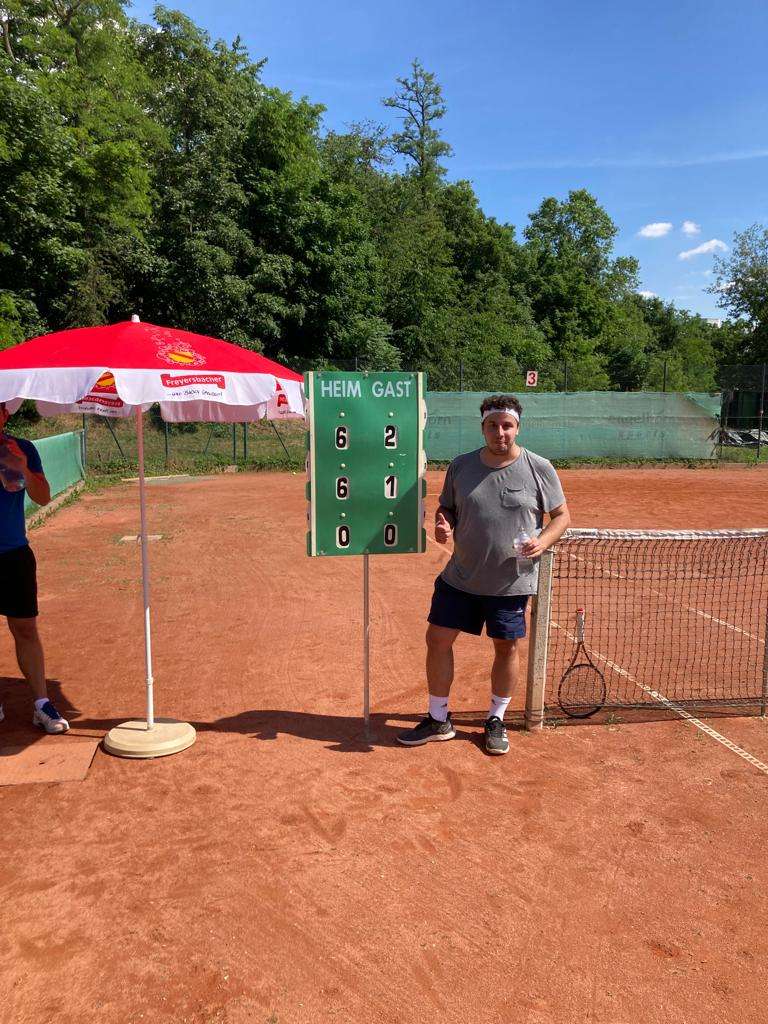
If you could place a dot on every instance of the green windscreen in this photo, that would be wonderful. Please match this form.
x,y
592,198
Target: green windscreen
x,y
558,425
62,460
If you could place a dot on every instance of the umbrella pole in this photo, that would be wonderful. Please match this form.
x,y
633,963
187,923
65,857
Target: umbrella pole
x,y
145,570
150,738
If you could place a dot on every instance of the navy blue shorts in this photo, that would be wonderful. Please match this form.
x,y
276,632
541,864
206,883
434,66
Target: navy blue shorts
x,y
503,617
18,583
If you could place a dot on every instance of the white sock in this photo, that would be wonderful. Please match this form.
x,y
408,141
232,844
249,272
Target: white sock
x,y
438,708
498,706
40,701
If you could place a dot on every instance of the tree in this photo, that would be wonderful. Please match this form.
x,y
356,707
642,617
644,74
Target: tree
x,y
420,101
81,121
39,245
681,353
574,281
741,286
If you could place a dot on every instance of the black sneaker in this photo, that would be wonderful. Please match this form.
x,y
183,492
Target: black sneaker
x,y
496,741
427,730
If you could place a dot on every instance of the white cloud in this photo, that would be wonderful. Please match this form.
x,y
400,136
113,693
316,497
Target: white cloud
x,y
725,286
690,227
640,160
713,245
648,295
657,230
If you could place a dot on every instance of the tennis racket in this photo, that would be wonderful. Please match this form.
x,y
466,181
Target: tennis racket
x,y
582,688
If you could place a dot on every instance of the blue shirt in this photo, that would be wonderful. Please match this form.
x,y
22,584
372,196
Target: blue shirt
x,y
13,530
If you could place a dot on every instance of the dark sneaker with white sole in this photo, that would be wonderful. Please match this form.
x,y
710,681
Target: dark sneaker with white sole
x,y
496,741
427,731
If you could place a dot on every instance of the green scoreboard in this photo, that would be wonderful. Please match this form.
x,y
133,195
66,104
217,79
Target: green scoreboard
x,y
366,463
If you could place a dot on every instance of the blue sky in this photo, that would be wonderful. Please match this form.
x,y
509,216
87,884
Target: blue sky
x,y
659,109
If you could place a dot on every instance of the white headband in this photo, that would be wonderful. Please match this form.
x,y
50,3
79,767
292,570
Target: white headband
x,y
490,412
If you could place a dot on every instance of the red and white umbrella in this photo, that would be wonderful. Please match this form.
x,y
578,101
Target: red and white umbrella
x,y
113,370
122,369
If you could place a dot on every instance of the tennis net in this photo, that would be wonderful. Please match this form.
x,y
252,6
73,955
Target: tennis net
x,y
670,616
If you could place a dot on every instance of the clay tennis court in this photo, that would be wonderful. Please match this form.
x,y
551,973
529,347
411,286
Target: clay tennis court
x,y
281,870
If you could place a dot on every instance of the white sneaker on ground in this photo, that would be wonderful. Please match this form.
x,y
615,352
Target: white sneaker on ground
x,y
48,718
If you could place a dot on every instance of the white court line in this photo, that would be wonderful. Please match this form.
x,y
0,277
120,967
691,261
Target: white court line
x,y
657,696
687,608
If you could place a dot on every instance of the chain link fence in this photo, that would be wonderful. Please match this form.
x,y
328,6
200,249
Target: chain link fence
x,y
109,446
743,428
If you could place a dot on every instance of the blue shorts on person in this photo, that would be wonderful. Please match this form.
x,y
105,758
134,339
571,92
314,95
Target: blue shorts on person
x,y
503,617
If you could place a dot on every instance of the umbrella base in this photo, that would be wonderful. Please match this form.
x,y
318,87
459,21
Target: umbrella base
x,y
133,739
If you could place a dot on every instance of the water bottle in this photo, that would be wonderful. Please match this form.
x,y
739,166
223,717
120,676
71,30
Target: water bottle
x,y
524,564
10,479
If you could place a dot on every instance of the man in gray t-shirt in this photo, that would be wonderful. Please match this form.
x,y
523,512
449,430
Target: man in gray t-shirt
x,y
492,505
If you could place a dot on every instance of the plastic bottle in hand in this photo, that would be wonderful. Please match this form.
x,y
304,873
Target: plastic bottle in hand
x,y
524,564
10,479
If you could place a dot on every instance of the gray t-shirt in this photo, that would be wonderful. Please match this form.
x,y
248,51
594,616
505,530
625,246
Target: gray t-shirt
x,y
491,507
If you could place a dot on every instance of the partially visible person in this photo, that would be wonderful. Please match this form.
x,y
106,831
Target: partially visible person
x,y
21,470
492,506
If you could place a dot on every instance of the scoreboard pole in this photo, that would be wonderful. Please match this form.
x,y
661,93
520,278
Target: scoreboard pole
x,y
366,648
366,467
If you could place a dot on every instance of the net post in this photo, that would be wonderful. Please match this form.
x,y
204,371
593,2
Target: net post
x,y
539,643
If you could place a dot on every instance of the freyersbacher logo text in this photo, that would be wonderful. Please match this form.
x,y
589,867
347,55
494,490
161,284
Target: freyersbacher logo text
x,y
214,379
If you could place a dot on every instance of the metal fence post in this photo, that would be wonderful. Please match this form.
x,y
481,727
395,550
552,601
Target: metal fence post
x,y
114,436
165,425
565,377
234,442
84,444
461,375
724,400
245,442
664,381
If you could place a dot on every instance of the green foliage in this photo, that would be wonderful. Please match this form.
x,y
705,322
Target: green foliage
x,y
741,285
420,103
149,169
576,286
683,352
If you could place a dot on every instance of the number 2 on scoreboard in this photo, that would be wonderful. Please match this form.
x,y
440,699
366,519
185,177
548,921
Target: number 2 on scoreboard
x,y
390,436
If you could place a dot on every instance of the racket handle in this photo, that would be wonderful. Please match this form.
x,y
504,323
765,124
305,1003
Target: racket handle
x,y
580,616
